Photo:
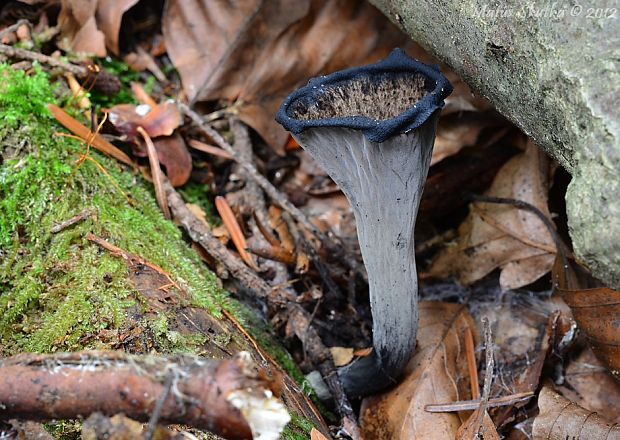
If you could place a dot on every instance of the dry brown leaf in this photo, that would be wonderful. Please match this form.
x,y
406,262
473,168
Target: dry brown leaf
x,y
475,425
315,434
89,26
502,236
160,120
199,213
597,312
436,374
258,51
341,355
454,134
588,384
561,419
109,17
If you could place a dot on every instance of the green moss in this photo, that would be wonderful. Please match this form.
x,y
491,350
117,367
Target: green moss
x,y
297,429
14,87
198,194
171,341
59,290
64,429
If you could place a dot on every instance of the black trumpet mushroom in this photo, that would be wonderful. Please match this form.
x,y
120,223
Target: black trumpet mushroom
x,y
372,129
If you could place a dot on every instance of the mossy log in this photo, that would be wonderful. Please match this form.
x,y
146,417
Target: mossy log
x,y
553,68
61,290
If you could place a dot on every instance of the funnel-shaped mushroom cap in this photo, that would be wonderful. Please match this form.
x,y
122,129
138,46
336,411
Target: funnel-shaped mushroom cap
x,y
372,129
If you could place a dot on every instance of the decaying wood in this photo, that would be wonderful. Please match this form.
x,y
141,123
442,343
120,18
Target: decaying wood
x,y
202,235
277,298
23,54
66,386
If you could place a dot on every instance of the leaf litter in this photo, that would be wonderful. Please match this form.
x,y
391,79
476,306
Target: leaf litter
x,y
239,62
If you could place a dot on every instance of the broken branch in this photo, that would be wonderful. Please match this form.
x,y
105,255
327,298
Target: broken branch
x,y
205,393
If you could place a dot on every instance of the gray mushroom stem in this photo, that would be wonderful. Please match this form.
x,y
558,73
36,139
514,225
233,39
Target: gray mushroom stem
x,y
372,129
383,183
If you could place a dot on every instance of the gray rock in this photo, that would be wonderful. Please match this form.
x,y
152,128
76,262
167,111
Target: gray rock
x,y
554,70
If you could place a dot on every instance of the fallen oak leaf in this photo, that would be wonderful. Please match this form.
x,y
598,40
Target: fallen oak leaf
x,y
258,51
561,419
502,236
435,373
597,313
91,26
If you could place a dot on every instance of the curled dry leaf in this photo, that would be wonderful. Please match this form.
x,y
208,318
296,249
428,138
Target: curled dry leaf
x,y
341,355
437,373
477,424
597,312
258,51
561,419
589,385
502,236
91,26
157,174
160,120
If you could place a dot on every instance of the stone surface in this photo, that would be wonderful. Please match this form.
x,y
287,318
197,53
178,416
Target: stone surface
x,y
554,70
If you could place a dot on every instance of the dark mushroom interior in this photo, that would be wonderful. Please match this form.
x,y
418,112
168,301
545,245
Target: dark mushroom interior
x,y
381,98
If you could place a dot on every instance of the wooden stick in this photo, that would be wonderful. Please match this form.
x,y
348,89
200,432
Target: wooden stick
x,y
469,405
209,149
24,54
70,222
114,382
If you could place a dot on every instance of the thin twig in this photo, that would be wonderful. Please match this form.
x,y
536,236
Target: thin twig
x,y
115,250
152,426
469,405
14,27
202,235
488,375
14,52
70,222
